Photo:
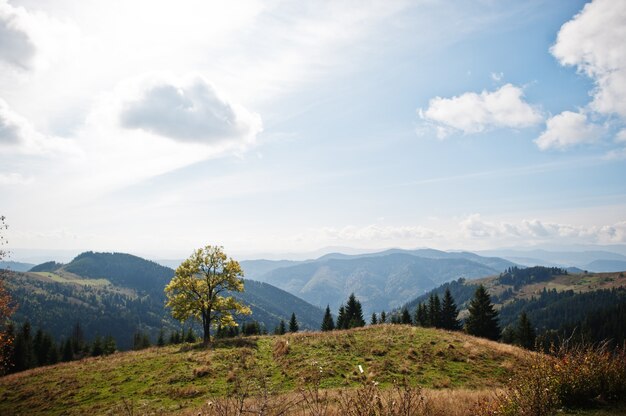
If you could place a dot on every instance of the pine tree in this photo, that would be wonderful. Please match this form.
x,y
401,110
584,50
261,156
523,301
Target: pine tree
x,y
374,320
383,317
327,323
342,322
109,345
434,311
483,318
96,348
421,315
449,313
161,339
293,323
406,317
68,352
525,333
281,328
354,313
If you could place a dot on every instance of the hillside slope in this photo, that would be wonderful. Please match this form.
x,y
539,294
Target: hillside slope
x,y
170,379
118,294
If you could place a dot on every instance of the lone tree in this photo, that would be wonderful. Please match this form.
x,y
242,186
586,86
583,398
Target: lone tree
x,y
483,318
199,290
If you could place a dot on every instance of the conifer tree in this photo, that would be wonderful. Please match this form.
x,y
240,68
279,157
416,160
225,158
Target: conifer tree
x,y
96,348
483,318
374,320
342,322
421,315
281,328
434,311
354,313
406,317
383,317
293,323
161,339
327,323
68,353
449,313
109,345
525,333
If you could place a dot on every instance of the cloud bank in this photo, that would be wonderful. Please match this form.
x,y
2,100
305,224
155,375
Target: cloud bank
x,y
474,113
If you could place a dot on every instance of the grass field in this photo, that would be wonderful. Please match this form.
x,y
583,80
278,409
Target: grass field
x,y
65,277
443,373
171,379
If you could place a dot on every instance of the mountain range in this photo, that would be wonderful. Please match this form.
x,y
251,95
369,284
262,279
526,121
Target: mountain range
x,y
381,280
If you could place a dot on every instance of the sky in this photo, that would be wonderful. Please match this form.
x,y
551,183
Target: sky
x,y
157,127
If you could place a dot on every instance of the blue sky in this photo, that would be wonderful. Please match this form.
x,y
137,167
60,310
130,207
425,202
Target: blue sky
x,y
275,126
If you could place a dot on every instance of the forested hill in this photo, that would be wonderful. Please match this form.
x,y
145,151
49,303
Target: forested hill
x,y
554,300
119,294
121,270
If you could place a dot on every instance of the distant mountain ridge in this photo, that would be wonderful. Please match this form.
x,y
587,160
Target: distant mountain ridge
x,y
380,280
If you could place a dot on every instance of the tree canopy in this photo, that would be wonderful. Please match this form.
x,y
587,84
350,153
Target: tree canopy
x,y
200,286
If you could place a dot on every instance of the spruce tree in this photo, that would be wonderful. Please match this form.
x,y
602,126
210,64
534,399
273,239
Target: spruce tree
x,y
327,323
383,317
161,339
483,318
354,313
96,348
293,323
109,345
68,352
525,333
374,320
421,315
434,311
342,322
406,317
449,313
281,328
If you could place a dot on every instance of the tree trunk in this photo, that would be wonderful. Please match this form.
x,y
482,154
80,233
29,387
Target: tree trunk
x,y
206,326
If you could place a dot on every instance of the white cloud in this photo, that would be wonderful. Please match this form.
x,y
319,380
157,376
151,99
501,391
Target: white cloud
x,y
16,45
621,136
17,134
593,41
192,111
568,129
537,231
474,113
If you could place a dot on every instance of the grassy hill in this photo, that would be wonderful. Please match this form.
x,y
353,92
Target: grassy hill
x,y
171,379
